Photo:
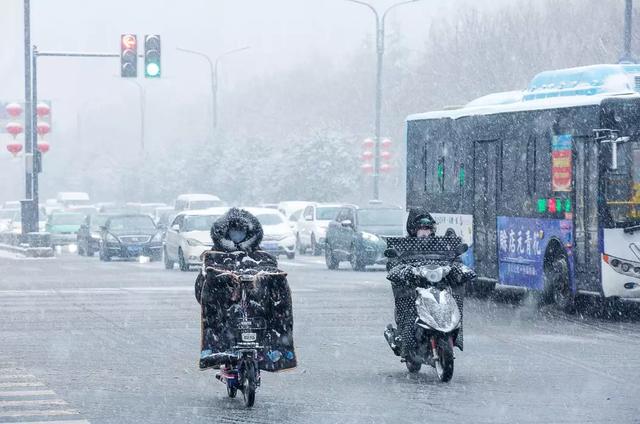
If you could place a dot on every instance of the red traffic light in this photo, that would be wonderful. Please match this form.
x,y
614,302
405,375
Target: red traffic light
x,y
129,41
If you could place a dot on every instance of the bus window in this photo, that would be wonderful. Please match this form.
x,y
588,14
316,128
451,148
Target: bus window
x,y
621,186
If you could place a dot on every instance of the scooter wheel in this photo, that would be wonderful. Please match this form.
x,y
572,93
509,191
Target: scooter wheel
x,y
232,392
413,367
251,383
444,364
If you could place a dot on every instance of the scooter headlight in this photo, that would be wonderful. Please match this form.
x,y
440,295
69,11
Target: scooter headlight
x,y
435,275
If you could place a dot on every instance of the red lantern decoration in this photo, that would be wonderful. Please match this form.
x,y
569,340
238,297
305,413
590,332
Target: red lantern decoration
x,y
368,143
367,168
14,128
43,109
385,154
367,155
14,148
386,143
43,128
14,109
43,147
385,167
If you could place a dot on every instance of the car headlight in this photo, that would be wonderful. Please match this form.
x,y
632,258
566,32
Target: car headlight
x,y
193,242
370,237
435,275
157,238
111,238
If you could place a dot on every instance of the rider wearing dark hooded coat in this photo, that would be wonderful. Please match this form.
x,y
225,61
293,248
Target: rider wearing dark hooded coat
x,y
236,248
402,272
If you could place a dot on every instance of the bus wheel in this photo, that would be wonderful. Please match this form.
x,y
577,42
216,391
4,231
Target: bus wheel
x,y
557,287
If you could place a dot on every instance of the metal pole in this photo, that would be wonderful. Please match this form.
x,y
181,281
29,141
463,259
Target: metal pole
x,y
27,96
34,138
214,91
379,57
628,12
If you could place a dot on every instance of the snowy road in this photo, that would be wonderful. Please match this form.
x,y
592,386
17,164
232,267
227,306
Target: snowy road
x,y
82,340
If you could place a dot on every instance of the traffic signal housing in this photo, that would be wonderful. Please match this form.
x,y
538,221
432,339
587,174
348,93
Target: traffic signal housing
x,y
152,66
128,56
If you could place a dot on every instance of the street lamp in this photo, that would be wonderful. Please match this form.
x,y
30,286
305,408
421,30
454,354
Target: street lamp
x,y
213,71
380,28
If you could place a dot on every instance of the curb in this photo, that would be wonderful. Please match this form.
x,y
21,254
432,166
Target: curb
x,y
29,252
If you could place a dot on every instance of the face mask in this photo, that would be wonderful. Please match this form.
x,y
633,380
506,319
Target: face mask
x,y
237,236
424,232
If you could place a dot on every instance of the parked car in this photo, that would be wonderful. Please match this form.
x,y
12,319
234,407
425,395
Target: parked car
x,y
312,226
278,238
64,227
72,198
289,207
130,236
197,201
188,236
89,236
357,235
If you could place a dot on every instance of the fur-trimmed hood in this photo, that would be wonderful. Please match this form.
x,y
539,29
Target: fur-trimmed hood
x,y
220,231
416,215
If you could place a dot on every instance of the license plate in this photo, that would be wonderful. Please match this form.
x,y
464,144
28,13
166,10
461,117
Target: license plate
x,y
249,337
134,250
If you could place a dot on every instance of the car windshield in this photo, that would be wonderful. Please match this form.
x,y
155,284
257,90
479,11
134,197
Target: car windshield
x,y
67,219
270,218
380,217
326,213
131,223
204,204
199,222
623,186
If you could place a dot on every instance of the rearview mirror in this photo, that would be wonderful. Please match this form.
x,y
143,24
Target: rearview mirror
x,y
461,249
175,228
346,223
391,253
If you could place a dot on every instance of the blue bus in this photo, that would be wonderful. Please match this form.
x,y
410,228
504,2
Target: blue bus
x,y
544,185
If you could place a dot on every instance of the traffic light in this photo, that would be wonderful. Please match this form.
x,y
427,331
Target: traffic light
x,y
128,56
152,56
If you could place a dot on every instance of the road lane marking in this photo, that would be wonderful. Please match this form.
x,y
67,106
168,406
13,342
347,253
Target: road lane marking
x,y
16,376
26,393
38,413
22,384
47,422
5,403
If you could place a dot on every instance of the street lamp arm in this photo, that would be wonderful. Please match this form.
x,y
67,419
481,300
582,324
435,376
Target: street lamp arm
x,y
227,53
198,54
373,9
384,16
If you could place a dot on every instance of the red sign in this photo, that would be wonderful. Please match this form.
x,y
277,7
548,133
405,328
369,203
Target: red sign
x,y
561,171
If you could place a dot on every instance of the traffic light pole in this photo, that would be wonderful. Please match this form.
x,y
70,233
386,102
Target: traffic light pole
x,y
32,155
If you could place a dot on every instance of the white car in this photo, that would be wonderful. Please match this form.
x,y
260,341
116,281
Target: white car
x,y
188,236
278,238
197,201
312,226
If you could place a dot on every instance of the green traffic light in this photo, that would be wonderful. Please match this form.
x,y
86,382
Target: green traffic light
x,y
152,70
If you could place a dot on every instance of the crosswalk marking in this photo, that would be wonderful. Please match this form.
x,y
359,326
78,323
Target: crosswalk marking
x,y
22,384
20,393
18,404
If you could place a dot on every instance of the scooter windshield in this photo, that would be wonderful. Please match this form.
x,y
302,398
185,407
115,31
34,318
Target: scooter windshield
x,y
438,309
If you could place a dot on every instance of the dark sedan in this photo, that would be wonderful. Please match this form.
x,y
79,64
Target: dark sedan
x,y
130,236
